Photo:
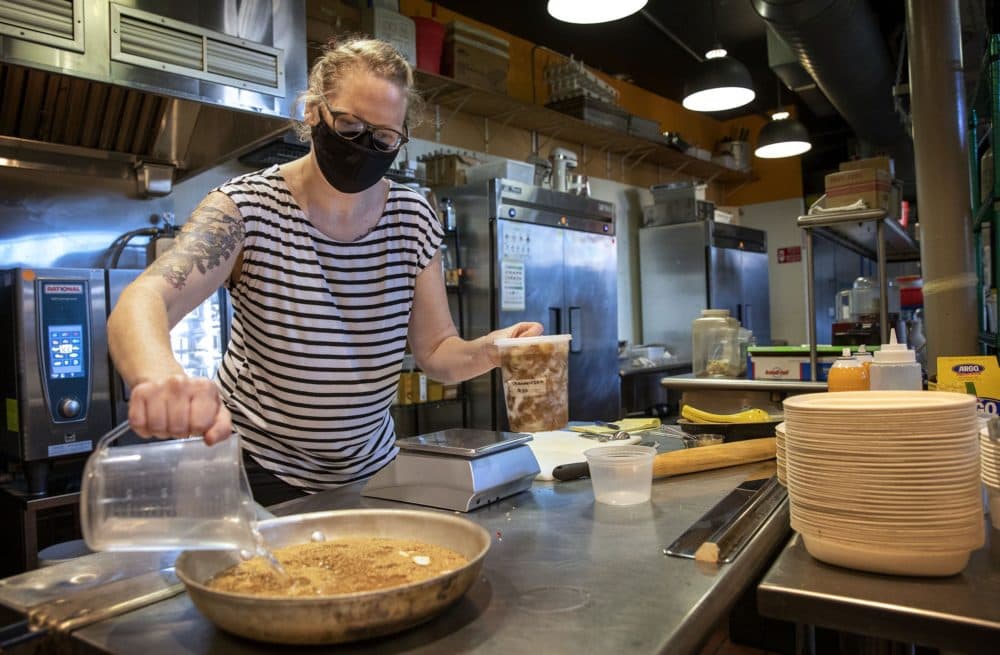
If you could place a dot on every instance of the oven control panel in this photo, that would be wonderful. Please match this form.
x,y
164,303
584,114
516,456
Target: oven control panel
x,y
63,313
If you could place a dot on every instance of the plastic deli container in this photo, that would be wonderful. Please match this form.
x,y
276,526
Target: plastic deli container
x,y
621,475
535,373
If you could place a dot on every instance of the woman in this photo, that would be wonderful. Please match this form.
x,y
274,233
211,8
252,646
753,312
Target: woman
x,y
331,268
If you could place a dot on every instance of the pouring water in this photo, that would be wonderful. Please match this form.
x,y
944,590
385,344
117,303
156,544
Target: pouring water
x,y
169,495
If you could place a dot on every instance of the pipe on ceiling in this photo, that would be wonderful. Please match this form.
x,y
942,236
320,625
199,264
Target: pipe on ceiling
x,y
840,44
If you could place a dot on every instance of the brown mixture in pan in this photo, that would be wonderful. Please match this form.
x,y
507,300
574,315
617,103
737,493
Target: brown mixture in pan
x,y
340,566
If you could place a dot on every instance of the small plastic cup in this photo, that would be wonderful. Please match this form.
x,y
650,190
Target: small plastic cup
x,y
621,475
535,372
167,495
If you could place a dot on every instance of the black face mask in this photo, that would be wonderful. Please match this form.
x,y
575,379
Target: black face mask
x,y
349,166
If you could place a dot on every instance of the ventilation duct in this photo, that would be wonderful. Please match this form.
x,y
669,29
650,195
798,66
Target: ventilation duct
x,y
840,45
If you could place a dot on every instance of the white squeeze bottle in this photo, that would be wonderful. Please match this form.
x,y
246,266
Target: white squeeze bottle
x,y
895,368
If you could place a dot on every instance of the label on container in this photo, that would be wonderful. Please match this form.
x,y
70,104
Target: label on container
x,y
533,387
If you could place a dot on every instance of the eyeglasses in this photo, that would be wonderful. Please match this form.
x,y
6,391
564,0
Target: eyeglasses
x,y
351,127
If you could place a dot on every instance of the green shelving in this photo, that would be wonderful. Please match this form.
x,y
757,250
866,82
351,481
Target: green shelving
x,y
984,114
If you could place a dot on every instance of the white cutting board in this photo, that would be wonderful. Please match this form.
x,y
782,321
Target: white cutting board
x,y
560,447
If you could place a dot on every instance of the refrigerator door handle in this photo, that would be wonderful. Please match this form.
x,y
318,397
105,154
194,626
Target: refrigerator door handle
x,y
555,320
575,328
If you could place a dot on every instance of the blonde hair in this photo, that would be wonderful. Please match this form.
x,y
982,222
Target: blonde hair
x,y
346,54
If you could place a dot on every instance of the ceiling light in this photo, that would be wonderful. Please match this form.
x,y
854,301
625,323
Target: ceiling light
x,y
782,137
593,11
720,83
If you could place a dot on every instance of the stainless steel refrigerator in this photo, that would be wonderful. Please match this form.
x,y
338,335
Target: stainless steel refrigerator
x,y
687,267
532,254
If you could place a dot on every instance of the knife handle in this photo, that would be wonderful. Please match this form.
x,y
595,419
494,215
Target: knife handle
x,y
566,472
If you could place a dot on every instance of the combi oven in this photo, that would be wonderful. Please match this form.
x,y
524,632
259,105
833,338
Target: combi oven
x,y
54,367
60,392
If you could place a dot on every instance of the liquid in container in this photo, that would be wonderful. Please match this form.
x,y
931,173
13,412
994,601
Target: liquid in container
x,y
895,368
167,495
847,374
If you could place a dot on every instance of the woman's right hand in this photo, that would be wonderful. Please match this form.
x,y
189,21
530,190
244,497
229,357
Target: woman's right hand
x,y
179,406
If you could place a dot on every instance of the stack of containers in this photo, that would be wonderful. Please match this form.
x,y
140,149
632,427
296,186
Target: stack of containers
x,y
990,459
885,481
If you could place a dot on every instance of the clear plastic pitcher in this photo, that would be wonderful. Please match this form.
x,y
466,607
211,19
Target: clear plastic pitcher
x,y
167,495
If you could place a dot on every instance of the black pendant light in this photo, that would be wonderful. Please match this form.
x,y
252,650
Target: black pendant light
x,y
782,137
720,83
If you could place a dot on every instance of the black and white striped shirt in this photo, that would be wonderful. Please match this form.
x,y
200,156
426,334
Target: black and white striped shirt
x,y
319,331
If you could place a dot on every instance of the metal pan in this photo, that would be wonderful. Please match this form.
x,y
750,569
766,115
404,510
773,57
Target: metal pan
x,y
347,617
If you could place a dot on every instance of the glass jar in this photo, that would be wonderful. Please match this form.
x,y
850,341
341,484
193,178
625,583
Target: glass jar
x,y
715,344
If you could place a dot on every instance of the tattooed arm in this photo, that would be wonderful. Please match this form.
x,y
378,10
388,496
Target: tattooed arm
x,y
164,401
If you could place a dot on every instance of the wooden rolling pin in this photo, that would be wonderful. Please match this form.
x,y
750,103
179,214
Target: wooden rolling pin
x,y
690,460
706,458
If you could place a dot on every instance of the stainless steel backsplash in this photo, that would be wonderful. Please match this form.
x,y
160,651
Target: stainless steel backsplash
x,y
50,219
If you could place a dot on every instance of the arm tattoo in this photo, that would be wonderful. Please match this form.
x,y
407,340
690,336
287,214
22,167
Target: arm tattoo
x,y
208,238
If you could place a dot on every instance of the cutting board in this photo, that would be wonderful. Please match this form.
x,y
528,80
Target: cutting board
x,y
559,447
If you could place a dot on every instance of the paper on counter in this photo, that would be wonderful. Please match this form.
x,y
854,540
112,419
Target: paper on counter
x,y
558,447
626,424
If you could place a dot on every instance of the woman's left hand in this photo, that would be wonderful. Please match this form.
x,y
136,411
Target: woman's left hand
x,y
523,329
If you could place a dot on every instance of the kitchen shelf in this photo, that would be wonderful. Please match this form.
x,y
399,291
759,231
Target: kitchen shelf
x,y
869,232
986,210
858,231
458,97
984,115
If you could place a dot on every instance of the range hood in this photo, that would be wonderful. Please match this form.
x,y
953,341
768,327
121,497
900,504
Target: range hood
x,y
154,89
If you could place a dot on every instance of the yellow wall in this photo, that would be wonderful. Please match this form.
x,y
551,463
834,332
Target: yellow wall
x,y
777,179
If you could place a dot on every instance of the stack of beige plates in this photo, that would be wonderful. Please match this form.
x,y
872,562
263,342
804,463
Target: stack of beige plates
x,y
885,481
779,445
990,459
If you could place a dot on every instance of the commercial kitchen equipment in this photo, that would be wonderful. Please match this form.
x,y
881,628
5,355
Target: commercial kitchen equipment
x,y
533,254
457,469
53,366
870,233
687,267
156,91
61,392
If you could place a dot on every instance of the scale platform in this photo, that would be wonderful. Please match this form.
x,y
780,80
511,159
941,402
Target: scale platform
x,y
458,469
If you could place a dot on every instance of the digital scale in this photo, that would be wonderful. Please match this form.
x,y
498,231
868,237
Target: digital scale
x,y
458,469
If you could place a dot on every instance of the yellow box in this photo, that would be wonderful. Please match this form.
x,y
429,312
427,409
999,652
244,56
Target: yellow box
x,y
404,393
977,375
435,391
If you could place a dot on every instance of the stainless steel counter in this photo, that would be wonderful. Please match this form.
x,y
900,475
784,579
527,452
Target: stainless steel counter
x,y
564,575
958,613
